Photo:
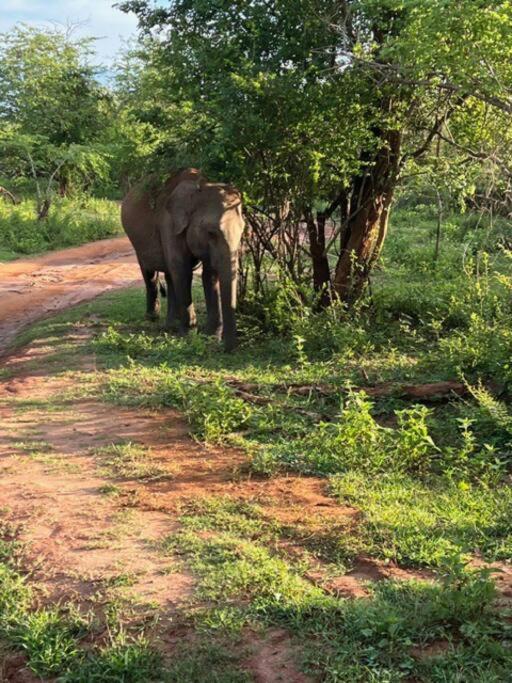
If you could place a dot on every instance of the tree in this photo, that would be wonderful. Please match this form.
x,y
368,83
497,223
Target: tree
x,y
322,105
52,108
34,157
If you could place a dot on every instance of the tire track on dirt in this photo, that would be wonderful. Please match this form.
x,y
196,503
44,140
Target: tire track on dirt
x,y
34,288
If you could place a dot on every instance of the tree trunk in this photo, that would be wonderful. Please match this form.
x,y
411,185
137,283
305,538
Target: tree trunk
x,y
42,209
438,226
320,262
366,227
63,186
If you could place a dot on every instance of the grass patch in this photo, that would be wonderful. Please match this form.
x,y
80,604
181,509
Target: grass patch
x,y
428,523
228,515
42,452
61,642
344,640
130,461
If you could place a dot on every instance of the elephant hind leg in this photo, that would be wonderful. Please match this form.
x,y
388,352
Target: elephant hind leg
x,y
152,301
181,278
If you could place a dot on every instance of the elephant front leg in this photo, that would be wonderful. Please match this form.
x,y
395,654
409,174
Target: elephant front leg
x,y
228,282
181,275
172,321
212,298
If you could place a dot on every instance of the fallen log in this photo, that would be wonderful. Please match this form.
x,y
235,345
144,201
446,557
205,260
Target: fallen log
x,y
420,392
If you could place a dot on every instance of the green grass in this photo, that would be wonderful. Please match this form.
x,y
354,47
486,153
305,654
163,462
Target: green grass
x,y
42,452
62,642
49,638
371,639
71,221
428,523
130,461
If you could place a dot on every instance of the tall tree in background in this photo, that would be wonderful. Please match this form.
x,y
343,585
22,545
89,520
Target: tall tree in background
x,y
52,108
319,105
48,87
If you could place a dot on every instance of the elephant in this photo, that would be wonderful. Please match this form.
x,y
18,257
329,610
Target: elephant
x,y
188,221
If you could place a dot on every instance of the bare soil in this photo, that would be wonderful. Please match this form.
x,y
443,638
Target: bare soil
x,y
272,659
33,288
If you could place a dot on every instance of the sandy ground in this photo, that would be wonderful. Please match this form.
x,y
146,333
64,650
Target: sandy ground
x,y
31,289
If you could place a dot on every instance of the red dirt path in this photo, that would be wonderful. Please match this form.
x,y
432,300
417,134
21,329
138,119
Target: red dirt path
x,y
33,288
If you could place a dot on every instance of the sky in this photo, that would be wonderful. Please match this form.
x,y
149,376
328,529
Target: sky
x,y
96,17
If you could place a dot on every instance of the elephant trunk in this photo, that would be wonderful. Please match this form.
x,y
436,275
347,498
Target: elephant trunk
x,y
228,290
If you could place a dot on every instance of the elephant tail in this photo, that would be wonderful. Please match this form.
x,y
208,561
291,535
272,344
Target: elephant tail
x,y
163,288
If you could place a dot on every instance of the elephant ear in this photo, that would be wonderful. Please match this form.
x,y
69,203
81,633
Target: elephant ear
x,y
181,204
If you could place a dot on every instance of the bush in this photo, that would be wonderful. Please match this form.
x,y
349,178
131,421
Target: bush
x,y
356,441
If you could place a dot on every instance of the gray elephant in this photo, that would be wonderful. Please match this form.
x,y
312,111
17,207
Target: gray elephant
x,y
188,221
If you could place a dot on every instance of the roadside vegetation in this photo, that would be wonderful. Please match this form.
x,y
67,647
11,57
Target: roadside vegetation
x,y
73,221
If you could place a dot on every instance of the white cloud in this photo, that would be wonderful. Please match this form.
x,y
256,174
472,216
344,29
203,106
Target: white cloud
x,y
94,18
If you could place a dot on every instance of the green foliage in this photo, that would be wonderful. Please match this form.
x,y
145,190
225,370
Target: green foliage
x,y
214,411
428,523
53,111
71,222
46,636
419,326
298,101
41,70
274,90
356,441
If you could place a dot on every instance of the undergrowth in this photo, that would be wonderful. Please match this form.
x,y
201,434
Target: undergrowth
x,y
71,221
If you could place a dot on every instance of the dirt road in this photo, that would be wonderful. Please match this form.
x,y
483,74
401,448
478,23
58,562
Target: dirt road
x,y
33,288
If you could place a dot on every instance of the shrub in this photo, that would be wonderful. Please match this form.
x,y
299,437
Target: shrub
x,y
356,441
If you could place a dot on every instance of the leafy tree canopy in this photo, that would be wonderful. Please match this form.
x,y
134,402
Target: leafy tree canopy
x,y
48,87
324,103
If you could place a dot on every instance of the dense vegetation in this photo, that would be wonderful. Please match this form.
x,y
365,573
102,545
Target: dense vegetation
x,y
335,119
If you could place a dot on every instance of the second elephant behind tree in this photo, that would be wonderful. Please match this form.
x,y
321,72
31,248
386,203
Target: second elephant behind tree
x,y
189,220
